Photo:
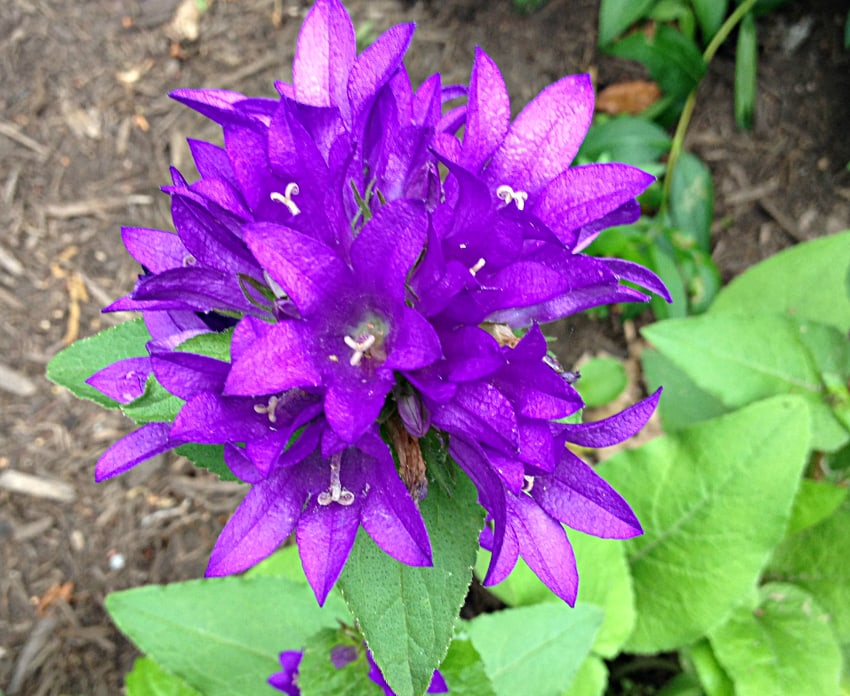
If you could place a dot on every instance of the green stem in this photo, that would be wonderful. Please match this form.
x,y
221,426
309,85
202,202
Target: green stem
x,y
688,110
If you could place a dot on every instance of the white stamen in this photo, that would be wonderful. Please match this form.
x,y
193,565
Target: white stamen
x,y
335,492
286,197
507,194
528,483
359,347
477,267
269,409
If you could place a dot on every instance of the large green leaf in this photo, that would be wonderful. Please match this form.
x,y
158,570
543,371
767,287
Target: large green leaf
x,y
222,636
740,358
627,139
714,499
808,281
816,559
79,361
147,678
780,644
815,501
537,649
209,457
464,670
591,678
408,614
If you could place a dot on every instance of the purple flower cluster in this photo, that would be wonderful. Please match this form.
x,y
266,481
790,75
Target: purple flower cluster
x,y
380,278
341,656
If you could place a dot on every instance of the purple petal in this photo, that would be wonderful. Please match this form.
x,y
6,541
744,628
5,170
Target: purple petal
x,y
581,195
545,137
240,465
637,274
350,406
390,516
261,523
415,344
280,360
471,352
615,429
325,536
156,250
124,381
545,547
324,56
580,498
186,374
307,270
488,112
212,419
287,679
146,442
480,411
376,65
202,289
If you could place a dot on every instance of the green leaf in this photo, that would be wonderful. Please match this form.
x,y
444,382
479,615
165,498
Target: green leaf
x,y
210,457
156,405
816,560
712,676
815,501
714,499
317,675
591,678
464,671
782,645
283,563
213,345
808,281
683,403
746,61
626,139
602,381
692,199
673,60
615,16
740,358
521,647
222,635
147,678
79,361
407,614
710,14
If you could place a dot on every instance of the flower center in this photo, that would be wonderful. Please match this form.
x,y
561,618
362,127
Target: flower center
x,y
507,194
366,341
477,267
335,493
359,346
286,197
269,408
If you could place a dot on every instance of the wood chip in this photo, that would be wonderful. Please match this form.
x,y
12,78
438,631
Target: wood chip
x,y
13,133
628,97
95,206
15,383
37,487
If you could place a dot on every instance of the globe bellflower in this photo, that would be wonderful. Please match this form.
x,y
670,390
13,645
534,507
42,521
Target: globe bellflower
x,y
370,278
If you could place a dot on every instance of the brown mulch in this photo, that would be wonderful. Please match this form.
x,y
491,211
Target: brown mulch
x,y
86,137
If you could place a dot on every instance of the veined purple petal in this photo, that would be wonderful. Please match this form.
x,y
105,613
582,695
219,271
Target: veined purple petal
x,y
488,112
415,344
261,523
545,137
480,411
577,496
544,546
376,65
186,374
325,536
626,214
164,324
581,195
212,419
616,428
472,353
324,56
351,408
123,381
639,275
224,106
211,161
307,270
240,465
146,442
390,516
202,289
523,284
156,250
281,359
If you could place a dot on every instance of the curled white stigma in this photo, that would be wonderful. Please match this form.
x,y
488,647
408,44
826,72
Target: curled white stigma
x,y
335,492
507,194
528,483
286,197
268,409
477,267
359,348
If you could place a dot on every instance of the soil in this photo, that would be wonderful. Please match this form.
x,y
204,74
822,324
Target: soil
x,y
86,137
